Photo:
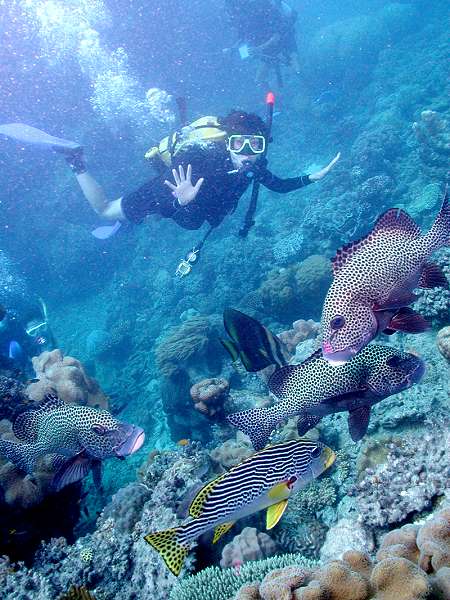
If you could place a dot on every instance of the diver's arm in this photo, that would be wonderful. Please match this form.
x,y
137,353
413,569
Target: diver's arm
x,y
272,41
274,183
94,194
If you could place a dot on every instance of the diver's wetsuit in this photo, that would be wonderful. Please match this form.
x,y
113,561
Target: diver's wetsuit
x,y
218,196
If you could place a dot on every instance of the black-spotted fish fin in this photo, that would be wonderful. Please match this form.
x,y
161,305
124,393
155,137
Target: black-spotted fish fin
x,y
307,422
97,468
172,551
196,507
26,424
358,422
231,348
314,356
408,320
277,381
74,469
221,530
274,513
392,219
433,276
396,301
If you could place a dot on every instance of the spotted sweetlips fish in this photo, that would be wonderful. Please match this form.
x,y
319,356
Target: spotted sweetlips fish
x,y
266,479
77,437
374,279
315,388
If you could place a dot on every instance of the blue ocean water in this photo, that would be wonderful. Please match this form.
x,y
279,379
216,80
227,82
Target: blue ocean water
x,y
107,324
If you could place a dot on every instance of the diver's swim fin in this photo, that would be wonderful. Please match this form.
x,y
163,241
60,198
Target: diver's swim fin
x,y
31,135
106,231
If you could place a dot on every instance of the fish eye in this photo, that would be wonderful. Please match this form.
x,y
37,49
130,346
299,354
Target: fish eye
x,y
99,429
393,361
316,452
337,322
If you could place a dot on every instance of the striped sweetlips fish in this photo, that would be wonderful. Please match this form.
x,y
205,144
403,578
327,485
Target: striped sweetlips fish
x,y
374,279
316,388
266,479
77,438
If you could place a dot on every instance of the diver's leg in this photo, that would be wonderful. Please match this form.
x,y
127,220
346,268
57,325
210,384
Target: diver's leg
x,y
92,191
97,199
262,76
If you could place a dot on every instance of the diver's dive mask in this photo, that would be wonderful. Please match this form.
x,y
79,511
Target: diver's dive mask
x,y
37,330
252,144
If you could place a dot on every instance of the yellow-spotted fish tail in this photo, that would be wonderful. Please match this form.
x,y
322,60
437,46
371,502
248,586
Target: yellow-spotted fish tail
x,y
172,551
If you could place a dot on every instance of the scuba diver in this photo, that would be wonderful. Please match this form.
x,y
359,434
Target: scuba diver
x,y
226,157
227,154
265,31
24,335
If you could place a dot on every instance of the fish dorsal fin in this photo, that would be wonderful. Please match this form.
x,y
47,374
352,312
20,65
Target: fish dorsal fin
x,y
393,219
316,354
274,513
278,378
26,424
196,507
221,530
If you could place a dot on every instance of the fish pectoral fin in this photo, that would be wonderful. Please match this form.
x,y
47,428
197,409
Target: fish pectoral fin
x,y
307,422
408,320
74,469
275,512
280,491
358,422
397,301
97,474
221,530
433,276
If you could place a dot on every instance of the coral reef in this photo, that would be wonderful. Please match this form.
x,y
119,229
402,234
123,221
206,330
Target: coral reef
x,y
416,471
304,538
101,344
433,134
232,452
301,330
184,344
209,395
297,290
443,342
403,570
346,535
12,395
214,583
250,544
67,377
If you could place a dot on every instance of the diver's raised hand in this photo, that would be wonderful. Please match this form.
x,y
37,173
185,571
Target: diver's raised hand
x,y
183,190
320,174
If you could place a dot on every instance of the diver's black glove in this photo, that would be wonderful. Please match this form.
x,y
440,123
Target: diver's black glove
x,y
75,160
74,157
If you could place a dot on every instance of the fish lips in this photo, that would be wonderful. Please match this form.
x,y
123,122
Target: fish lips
x,y
416,375
340,357
134,439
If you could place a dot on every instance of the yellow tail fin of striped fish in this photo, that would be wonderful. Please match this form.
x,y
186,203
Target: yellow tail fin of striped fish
x,y
221,530
172,551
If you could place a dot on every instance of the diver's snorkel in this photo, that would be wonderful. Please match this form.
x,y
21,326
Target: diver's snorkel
x,y
249,220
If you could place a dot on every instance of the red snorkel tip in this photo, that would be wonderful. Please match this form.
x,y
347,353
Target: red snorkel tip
x,y
270,98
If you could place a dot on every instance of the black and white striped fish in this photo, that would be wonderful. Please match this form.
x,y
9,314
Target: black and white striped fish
x,y
255,345
265,480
